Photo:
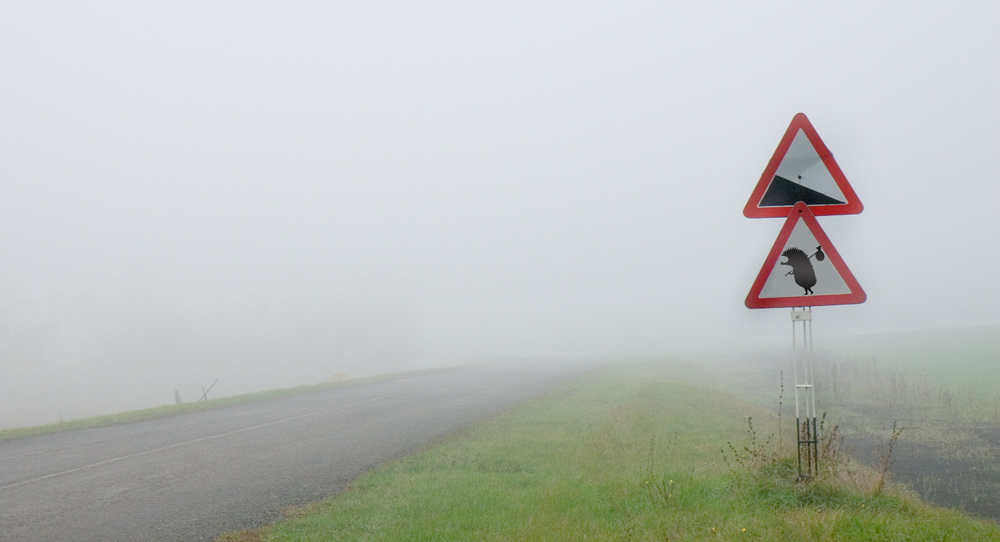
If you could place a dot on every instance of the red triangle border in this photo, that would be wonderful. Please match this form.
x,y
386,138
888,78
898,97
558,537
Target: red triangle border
x,y
801,211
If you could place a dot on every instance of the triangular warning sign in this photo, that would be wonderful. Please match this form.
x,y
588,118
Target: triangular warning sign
x,y
810,271
802,169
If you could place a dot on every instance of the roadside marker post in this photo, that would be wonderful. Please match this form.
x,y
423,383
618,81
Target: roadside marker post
x,y
800,182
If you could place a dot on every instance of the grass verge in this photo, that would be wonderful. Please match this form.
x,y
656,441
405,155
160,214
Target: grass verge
x,y
627,453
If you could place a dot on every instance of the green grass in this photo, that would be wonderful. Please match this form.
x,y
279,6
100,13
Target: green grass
x,y
628,453
943,374
951,357
184,408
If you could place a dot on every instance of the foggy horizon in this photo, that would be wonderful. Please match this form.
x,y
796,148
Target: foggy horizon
x,y
269,194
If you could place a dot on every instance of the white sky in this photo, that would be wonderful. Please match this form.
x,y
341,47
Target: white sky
x,y
267,193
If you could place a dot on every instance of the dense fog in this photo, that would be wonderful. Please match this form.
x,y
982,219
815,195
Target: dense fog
x,y
270,193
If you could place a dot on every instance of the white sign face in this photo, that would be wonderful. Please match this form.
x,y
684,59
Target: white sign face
x,y
803,269
803,272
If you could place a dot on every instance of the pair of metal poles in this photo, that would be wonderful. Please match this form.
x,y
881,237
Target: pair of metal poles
x,y
805,394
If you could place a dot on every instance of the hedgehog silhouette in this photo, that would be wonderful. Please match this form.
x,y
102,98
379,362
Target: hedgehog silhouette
x,y
802,269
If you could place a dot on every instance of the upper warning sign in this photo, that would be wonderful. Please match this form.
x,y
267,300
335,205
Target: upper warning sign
x,y
802,169
803,269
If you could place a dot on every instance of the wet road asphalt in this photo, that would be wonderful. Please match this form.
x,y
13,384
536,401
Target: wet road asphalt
x,y
193,477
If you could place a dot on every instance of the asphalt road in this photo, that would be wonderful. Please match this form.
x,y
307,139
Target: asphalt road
x,y
195,476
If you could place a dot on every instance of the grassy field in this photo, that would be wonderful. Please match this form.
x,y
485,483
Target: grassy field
x,y
941,388
633,452
944,374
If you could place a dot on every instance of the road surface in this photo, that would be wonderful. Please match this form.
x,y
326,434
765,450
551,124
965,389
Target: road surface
x,y
194,476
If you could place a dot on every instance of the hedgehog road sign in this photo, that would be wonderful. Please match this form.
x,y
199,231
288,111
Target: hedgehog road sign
x,y
802,169
810,273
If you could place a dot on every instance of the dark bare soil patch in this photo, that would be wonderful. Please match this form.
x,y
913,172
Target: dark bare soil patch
x,y
948,465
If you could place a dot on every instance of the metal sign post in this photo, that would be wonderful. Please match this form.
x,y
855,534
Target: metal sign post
x,y
803,270
805,394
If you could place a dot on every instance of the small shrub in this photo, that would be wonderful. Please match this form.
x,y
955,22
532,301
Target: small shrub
x,y
755,455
